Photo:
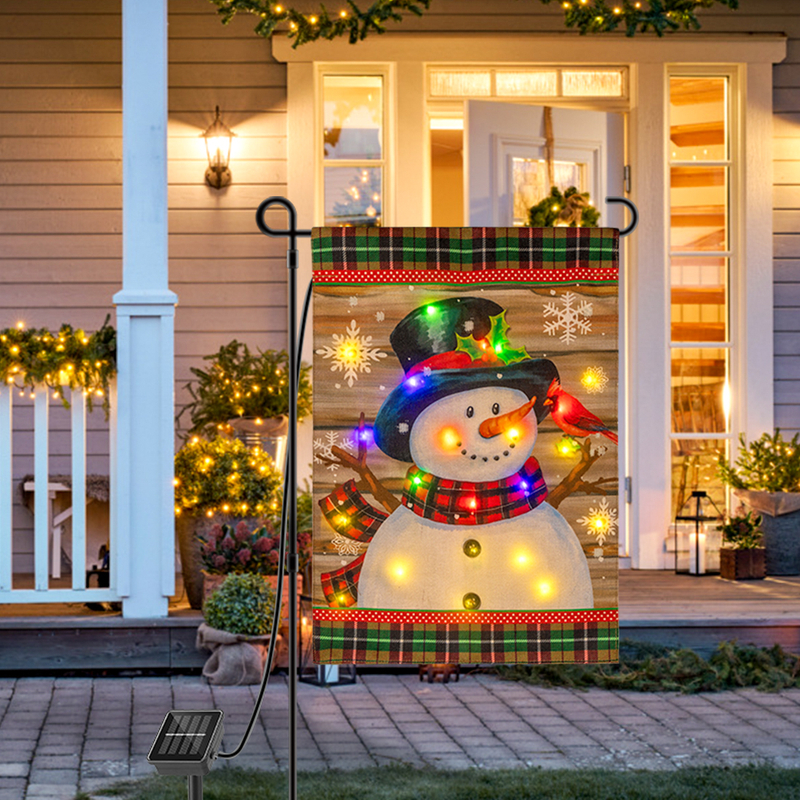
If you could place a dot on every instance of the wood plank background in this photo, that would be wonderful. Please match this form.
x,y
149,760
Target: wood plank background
x,y
337,405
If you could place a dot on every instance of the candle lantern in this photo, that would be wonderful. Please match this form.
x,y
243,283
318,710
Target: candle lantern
x,y
696,540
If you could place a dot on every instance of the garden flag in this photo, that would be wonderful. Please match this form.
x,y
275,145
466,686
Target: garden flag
x,y
465,445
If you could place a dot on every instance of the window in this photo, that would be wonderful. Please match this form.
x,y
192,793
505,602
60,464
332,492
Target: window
x,y
353,149
700,262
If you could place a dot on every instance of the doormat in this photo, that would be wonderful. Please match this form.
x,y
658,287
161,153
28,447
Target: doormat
x,y
465,445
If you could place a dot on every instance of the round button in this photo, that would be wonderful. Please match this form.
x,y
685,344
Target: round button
x,y
472,548
471,601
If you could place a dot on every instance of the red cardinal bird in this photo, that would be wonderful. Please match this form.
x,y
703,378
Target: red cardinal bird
x,y
572,417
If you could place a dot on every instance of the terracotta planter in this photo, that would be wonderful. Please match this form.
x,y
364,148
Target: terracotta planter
x,y
742,565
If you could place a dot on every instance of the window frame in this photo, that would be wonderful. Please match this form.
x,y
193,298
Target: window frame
x,y
386,162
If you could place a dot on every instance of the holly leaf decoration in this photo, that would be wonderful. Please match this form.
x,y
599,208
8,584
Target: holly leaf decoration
x,y
498,339
468,345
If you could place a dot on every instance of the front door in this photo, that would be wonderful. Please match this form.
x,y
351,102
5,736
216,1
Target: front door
x,y
505,169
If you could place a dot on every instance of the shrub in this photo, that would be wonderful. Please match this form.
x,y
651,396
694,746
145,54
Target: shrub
x,y
243,604
768,464
741,531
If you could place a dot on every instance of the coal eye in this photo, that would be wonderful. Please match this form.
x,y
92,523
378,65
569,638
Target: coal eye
x,y
470,411
496,408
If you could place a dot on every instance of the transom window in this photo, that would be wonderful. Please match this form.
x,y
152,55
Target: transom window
x,y
526,82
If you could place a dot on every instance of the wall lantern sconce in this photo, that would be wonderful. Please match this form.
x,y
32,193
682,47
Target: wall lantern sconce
x,y
218,139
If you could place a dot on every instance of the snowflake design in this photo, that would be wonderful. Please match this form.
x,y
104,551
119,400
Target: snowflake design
x,y
569,317
380,316
594,380
345,546
323,448
351,353
600,522
353,300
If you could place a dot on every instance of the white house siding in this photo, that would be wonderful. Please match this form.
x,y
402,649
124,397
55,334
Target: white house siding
x,y
60,191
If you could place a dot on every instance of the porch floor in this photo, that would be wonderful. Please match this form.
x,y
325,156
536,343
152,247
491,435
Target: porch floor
x,y
657,606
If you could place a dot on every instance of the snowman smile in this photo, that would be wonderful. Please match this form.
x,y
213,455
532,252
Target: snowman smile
x,y
493,457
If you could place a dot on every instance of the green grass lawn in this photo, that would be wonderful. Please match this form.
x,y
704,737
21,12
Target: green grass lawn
x,y
403,783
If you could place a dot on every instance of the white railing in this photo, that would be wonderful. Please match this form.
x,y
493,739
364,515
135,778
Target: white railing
x,y
47,529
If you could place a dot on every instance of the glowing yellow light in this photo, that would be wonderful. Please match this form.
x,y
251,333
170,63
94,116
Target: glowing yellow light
x,y
598,19
20,324
207,460
567,5
195,439
14,349
617,10
312,20
279,9
342,14
512,434
226,507
209,513
554,208
85,340
176,482
449,438
342,520
544,588
398,570
293,26
521,558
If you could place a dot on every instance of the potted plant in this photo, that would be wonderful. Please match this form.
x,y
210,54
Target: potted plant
x,y
218,481
238,618
741,556
245,391
765,478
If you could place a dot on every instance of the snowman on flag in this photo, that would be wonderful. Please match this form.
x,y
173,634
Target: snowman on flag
x,y
473,530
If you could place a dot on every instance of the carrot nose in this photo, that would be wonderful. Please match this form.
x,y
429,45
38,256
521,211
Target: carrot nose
x,y
497,425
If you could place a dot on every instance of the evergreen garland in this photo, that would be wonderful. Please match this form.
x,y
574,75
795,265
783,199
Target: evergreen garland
x,y
32,357
587,16
572,208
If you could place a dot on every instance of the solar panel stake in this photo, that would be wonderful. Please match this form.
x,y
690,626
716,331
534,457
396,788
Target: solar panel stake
x,y
186,744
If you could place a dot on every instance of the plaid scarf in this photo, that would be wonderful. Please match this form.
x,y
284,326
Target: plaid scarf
x,y
465,503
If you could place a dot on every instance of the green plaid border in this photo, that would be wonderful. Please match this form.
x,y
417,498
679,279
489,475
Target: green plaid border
x,y
344,642
463,249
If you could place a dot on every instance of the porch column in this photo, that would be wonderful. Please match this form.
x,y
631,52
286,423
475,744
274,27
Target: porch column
x,y
144,516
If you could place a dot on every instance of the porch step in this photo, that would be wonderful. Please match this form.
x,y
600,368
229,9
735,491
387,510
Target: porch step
x,y
655,606
59,644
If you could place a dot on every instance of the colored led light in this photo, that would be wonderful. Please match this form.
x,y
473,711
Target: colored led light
x,y
431,309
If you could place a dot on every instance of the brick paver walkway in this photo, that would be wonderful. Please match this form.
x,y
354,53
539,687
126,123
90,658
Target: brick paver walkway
x,y
58,735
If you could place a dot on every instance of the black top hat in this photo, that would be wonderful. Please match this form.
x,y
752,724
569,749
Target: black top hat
x,y
425,343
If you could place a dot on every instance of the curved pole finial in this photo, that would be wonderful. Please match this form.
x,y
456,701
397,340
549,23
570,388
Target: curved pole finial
x,y
631,206
293,232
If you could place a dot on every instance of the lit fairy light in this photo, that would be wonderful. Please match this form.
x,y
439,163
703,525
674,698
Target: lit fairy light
x,y
594,380
567,445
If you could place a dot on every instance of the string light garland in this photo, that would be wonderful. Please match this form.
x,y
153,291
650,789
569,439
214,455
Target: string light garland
x,y
34,357
240,383
355,22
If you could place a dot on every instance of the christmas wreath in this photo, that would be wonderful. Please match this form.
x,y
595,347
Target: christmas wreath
x,y
571,209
